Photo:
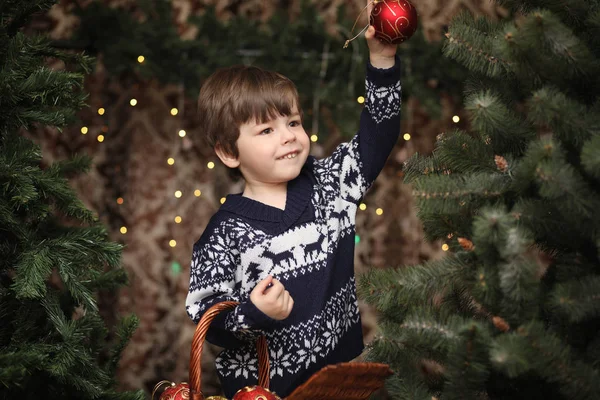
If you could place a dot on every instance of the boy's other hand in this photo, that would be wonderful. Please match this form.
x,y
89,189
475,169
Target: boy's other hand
x,y
273,300
381,54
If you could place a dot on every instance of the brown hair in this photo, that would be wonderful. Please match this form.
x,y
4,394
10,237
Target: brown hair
x,y
233,96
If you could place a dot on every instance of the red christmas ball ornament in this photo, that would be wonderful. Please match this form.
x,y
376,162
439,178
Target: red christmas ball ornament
x,y
394,20
176,392
255,393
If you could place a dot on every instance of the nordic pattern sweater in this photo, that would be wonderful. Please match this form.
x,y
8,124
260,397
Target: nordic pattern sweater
x,y
308,246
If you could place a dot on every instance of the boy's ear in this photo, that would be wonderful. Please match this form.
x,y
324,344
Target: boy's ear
x,y
226,158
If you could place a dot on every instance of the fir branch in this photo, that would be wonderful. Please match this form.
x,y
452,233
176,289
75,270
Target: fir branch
x,y
124,332
571,122
535,348
467,368
578,300
33,267
385,289
462,153
474,47
491,118
590,157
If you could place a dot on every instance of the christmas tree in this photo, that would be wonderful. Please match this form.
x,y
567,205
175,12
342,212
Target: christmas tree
x,y
513,310
54,255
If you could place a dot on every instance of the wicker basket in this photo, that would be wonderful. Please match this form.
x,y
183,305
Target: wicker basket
x,y
344,381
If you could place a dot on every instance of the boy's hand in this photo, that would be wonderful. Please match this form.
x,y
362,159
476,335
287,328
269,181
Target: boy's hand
x,y
274,301
381,54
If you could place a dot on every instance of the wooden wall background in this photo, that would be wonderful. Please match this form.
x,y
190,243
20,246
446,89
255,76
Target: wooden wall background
x,y
131,163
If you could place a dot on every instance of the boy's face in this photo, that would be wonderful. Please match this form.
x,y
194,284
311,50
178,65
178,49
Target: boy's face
x,y
274,152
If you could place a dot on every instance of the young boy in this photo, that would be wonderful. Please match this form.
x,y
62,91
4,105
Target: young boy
x,y
284,247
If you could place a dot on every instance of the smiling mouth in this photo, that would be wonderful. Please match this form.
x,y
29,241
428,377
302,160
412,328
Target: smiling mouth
x,y
289,156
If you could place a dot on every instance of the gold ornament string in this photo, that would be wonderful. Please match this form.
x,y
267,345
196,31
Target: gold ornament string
x,y
356,22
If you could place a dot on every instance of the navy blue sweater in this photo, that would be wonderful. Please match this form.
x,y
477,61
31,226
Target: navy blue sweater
x,y
309,247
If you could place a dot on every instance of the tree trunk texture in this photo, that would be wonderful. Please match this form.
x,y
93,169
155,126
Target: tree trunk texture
x,y
132,163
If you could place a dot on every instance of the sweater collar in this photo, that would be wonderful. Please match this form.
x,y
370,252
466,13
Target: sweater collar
x,y
299,192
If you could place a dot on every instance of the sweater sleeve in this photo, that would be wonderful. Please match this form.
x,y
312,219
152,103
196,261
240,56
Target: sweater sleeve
x,y
213,280
354,166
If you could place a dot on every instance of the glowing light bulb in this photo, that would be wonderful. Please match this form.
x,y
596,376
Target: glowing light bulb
x,y
406,136
210,165
182,133
314,138
84,130
178,219
100,138
197,192
123,230
171,161
379,211
362,206
174,111
456,119
178,194
223,199
445,247
120,200
172,243
133,102
141,59
101,111
360,99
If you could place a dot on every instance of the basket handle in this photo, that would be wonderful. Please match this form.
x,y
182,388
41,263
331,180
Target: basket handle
x,y
198,343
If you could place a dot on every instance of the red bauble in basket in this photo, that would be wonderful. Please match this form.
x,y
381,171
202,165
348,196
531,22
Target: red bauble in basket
x,y
255,393
394,20
175,392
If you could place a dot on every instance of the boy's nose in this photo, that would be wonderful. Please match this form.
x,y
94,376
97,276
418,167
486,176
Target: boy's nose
x,y
288,136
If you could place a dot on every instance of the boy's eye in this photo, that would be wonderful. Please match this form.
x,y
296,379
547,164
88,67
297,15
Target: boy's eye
x,y
266,131
295,123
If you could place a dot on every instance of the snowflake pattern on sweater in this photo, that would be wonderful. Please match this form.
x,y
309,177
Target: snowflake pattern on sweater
x,y
309,247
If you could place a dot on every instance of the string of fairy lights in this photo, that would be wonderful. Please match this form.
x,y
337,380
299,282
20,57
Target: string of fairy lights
x,y
176,267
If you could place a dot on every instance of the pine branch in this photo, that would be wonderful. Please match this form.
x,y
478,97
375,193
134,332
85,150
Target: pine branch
x,y
471,43
535,348
578,300
125,331
491,118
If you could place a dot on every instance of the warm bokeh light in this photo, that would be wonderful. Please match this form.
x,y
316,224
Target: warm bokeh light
x,y
178,219
182,133
101,111
133,102
141,59
362,206
172,243
223,199
120,200
210,165
360,99
456,119
445,247
100,138
171,161
178,194
379,211
197,192
174,111
84,129
314,138
406,136
123,230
